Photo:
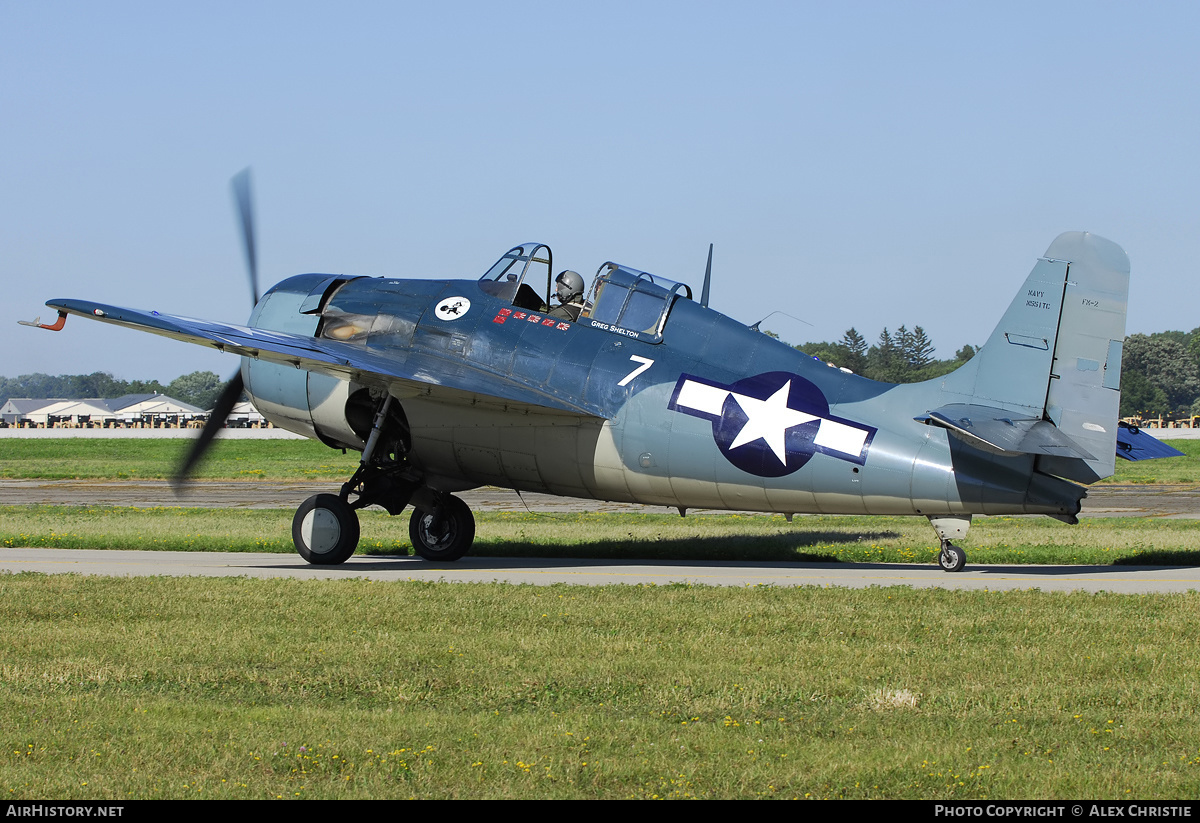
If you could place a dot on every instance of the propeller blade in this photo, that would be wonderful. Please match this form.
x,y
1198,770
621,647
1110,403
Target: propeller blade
x,y
241,195
221,410
233,389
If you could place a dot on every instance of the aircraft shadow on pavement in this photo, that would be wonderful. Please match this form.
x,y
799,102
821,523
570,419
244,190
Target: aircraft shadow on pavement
x,y
794,547
783,549
1161,558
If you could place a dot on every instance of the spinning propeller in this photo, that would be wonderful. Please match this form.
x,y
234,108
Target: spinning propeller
x,y
233,389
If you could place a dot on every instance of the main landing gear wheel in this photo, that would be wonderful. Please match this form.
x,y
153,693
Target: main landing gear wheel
x,y
325,530
952,558
444,534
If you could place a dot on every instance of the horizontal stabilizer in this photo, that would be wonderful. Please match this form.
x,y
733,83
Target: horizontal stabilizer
x,y
1005,432
1135,444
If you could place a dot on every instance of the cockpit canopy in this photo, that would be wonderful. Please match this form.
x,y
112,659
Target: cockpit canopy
x,y
622,300
627,300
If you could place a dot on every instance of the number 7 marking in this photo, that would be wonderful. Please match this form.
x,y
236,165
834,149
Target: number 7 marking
x,y
646,363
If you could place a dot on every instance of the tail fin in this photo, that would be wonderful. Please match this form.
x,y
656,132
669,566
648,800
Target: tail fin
x,y
1055,356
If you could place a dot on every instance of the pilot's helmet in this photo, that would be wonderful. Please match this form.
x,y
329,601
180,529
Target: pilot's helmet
x,y
570,286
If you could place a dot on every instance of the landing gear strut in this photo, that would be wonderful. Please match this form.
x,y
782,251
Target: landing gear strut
x,y
950,527
325,528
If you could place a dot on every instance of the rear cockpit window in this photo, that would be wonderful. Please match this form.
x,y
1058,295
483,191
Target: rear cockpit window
x,y
631,303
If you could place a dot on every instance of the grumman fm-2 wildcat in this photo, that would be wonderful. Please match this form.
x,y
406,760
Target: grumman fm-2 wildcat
x,y
649,396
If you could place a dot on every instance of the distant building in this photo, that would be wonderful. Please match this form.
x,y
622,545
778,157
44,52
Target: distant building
x,y
18,409
155,410
245,416
130,411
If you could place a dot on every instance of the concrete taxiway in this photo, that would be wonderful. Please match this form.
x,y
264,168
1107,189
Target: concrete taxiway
x,y
539,571
1104,501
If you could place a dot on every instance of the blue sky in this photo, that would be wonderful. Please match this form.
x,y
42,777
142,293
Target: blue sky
x,y
856,164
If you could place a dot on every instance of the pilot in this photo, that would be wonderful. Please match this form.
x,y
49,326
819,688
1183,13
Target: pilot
x,y
570,296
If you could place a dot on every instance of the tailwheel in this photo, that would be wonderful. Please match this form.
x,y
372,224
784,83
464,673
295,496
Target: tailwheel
x,y
325,530
952,558
443,533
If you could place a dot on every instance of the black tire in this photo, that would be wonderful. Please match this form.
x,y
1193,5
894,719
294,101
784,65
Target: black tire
x,y
325,530
444,539
952,558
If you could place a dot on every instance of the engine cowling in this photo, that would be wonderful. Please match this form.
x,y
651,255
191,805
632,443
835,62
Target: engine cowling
x,y
313,405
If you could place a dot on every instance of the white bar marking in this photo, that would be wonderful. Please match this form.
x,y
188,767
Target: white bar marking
x,y
840,437
702,397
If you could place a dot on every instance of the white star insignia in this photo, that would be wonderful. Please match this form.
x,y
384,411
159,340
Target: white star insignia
x,y
769,420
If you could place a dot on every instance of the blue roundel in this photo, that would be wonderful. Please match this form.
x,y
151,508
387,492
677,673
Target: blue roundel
x,y
757,456
771,424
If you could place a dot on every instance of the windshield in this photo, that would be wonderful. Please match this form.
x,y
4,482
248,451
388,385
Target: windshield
x,y
523,270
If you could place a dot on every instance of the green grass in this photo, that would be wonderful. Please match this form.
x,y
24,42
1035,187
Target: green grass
x,y
122,458
629,536
117,688
234,688
306,459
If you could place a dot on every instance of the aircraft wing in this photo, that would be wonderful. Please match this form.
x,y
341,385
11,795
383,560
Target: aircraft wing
x,y
421,371
1134,444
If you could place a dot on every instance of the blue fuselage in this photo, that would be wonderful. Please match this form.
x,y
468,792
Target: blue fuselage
x,y
705,413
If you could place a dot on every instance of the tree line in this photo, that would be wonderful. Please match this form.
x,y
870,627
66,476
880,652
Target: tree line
x,y
1160,374
901,356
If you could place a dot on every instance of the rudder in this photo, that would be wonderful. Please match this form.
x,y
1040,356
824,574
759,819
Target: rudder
x,y
1084,396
